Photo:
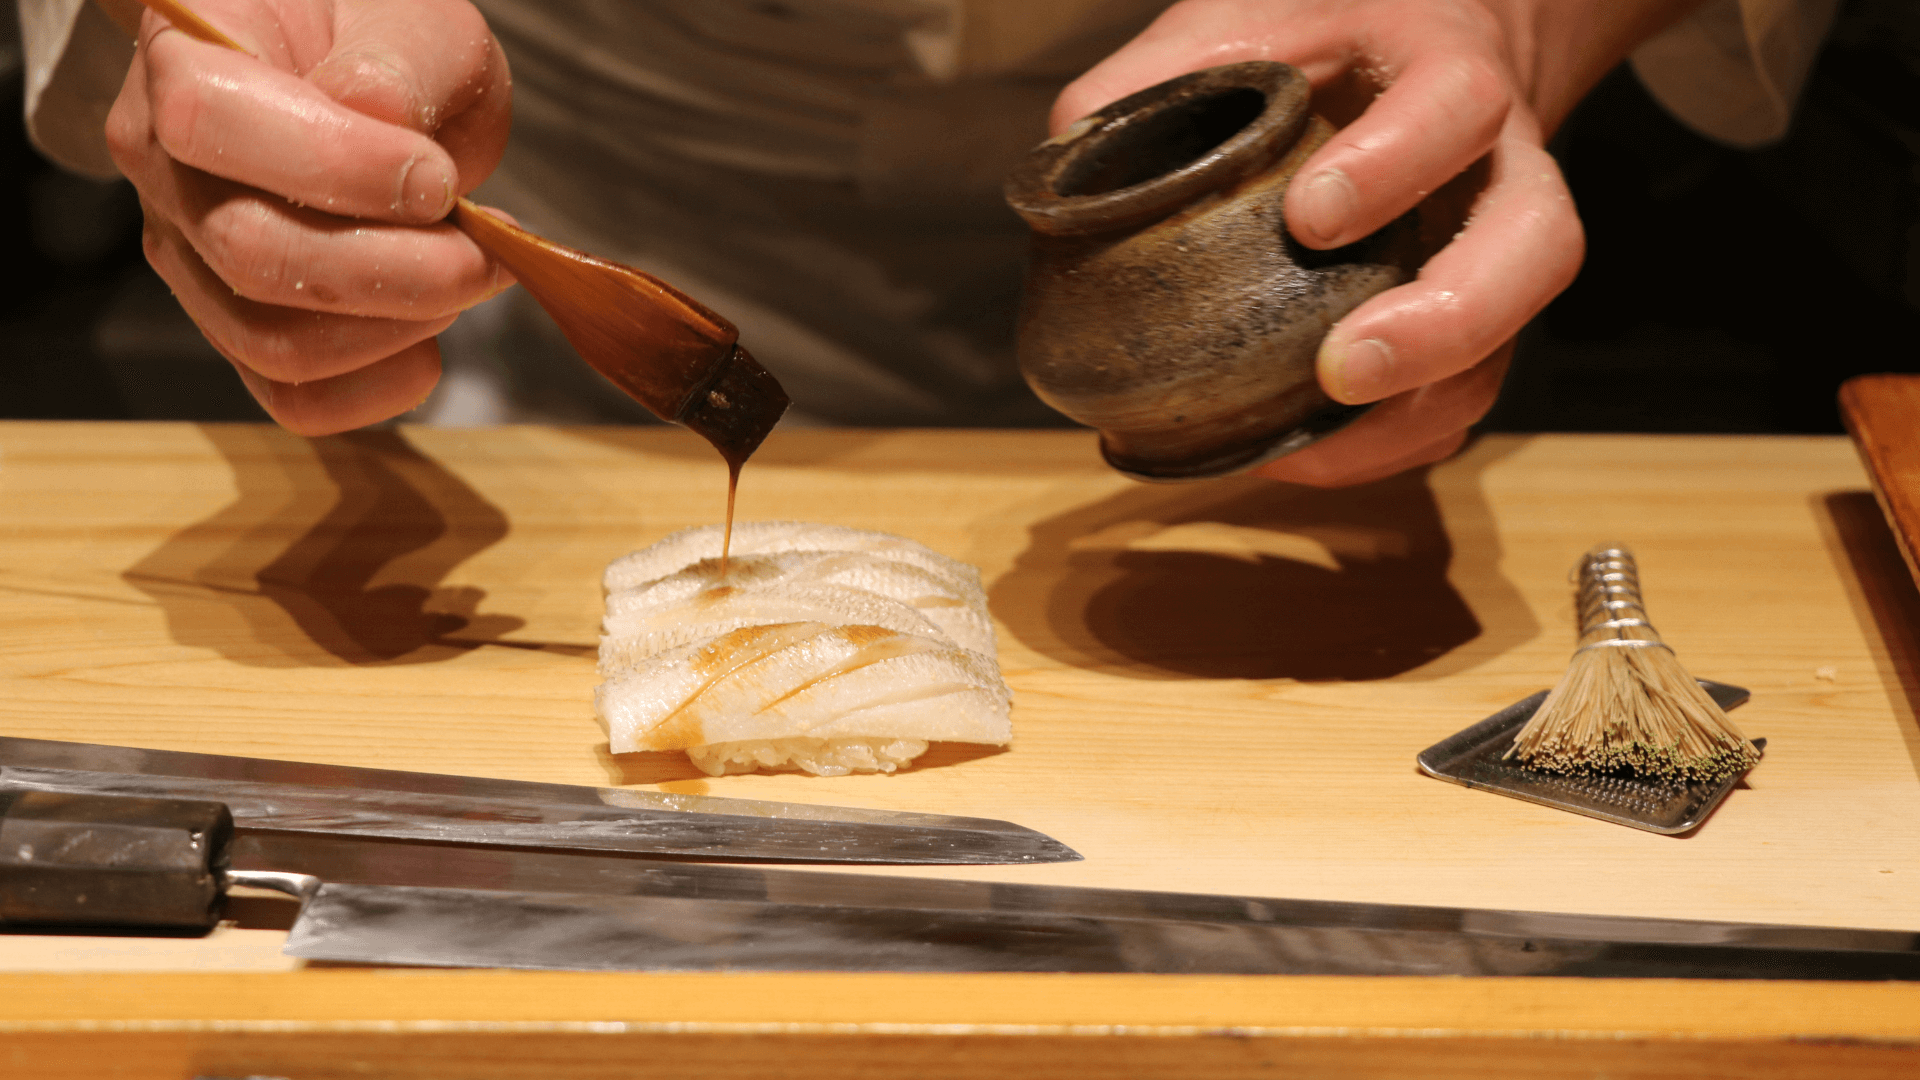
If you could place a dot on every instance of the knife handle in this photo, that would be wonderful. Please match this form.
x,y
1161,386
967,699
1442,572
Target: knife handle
x,y
111,860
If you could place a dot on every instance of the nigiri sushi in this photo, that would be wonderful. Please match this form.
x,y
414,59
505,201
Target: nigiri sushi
x,y
823,649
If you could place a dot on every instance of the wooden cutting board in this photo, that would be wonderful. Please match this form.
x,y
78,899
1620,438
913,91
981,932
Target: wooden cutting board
x,y
1883,413
1218,688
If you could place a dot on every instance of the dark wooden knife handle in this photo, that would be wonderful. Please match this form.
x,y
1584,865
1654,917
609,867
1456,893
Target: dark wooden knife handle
x,y
1883,414
111,861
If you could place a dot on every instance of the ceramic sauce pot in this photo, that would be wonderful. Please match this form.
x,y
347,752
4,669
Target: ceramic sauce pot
x,y
1166,305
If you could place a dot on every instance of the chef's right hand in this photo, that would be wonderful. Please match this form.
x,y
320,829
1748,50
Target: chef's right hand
x,y
295,198
1467,93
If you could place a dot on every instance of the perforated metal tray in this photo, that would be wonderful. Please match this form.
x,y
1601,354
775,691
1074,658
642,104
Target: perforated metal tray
x,y
1474,758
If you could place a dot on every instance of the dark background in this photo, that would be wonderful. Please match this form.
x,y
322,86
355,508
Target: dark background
x,y
1724,290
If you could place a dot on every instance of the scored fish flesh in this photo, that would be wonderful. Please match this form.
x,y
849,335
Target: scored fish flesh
x,y
821,648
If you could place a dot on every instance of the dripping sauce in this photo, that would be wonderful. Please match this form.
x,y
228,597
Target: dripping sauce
x,y
735,412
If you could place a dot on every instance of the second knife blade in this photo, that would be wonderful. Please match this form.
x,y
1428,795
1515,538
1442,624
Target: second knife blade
x,y
285,796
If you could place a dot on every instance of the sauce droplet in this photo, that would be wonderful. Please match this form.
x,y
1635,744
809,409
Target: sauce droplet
x,y
735,414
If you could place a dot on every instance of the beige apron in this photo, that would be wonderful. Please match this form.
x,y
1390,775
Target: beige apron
x,y
824,172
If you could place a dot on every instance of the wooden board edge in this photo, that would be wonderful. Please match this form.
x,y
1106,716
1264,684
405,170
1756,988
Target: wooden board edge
x,y
617,1056
1040,1004
1882,414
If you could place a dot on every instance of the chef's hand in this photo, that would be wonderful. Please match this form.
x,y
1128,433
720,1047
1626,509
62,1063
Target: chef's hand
x,y
294,198
1463,85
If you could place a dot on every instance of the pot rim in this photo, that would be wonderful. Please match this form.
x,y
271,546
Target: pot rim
x,y
1032,188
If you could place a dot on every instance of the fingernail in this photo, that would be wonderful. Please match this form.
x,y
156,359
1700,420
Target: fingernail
x,y
1361,373
1325,206
426,190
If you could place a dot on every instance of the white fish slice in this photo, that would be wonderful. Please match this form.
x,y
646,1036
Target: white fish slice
x,y
752,573
821,648
640,697
954,605
632,638
813,685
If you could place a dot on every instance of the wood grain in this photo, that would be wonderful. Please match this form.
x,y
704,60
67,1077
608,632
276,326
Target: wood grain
x,y
1217,687
604,1053
1883,415
481,1024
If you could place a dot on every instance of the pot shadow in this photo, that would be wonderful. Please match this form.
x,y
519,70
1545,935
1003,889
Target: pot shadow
x,y
1885,599
333,553
1248,578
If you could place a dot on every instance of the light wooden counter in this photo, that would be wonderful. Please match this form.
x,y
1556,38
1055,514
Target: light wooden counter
x,y
1218,688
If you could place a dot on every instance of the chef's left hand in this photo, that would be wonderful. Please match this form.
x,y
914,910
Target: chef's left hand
x,y
1461,83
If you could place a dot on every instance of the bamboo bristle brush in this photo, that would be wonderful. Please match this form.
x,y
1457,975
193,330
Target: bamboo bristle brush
x,y
1625,701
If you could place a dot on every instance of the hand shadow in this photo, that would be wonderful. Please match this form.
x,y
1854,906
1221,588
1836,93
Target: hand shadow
x,y
332,553
1247,578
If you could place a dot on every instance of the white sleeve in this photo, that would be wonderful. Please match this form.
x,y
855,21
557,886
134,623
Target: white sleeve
x,y
76,59
1734,68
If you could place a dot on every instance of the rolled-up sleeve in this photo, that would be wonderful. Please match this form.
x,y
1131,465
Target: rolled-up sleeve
x,y
76,58
1734,68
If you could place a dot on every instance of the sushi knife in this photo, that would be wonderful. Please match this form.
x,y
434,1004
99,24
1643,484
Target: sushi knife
x,y
288,796
71,861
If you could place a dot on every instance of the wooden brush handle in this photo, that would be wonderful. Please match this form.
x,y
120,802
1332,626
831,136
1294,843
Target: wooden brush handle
x,y
650,339
185,21
1611,611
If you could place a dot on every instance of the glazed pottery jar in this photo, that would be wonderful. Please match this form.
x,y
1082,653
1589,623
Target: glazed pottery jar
x,y
1166,304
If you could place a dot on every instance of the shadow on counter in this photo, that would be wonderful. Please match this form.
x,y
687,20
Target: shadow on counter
x,y
1246,578
334,551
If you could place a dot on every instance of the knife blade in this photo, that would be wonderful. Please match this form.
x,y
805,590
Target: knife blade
x,y
286,796
442,927
587,913
68,860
